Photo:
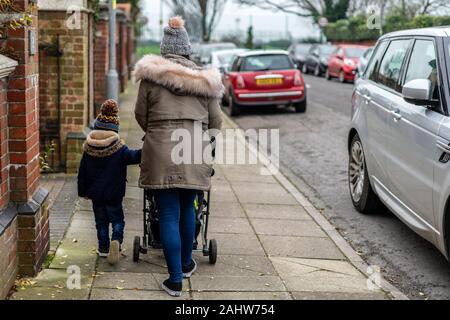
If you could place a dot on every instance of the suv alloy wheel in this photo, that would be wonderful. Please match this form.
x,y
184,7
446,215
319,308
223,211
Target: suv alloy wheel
x,y
363,197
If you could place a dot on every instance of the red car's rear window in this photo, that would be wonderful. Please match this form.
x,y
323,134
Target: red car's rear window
x,y
267,63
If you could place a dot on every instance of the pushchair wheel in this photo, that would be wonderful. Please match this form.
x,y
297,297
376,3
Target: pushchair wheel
x,y
212,251
136,248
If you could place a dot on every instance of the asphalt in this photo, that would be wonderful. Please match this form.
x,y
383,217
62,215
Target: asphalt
x,y
314,157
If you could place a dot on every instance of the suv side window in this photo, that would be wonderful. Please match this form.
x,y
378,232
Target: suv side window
x,y
423,65
391,65
372,69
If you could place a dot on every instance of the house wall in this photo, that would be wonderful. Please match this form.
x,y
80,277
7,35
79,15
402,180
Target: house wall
x,y
71,110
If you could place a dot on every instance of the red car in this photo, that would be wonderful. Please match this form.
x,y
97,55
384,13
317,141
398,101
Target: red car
x,y
264,78
343,63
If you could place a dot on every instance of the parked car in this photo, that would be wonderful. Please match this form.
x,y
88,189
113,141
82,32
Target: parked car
x,y
317,59
343,63
204,52
363,61
298,53
223,59
399,141
264,78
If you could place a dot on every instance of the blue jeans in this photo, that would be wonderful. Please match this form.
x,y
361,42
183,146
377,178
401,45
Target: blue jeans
x,y
104,215
177,227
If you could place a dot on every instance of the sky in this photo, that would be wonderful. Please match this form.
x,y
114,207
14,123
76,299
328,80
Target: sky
x,y
236,18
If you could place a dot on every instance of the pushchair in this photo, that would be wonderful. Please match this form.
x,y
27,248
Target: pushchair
x,y
151,238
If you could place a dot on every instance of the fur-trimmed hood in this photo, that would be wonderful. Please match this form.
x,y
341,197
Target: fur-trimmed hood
x,y
180,75
101,144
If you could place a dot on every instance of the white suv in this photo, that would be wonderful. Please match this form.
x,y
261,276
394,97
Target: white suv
x,y
399,141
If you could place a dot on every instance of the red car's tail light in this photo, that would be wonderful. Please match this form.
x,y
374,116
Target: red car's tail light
x,y
240,83
298,79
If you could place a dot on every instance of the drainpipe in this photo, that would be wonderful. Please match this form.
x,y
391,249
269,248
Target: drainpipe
x,y
112,79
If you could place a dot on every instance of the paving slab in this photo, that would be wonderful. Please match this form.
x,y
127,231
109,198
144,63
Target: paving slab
x,y
276,212
287,228
338,296
235,266
230,225
126,280
237,283
147,264
247,173
315,275
83,257
248,296
301,247
238,244
115,294
48,293
259,193
226,209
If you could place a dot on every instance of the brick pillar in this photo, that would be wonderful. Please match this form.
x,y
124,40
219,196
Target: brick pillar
x,y
23,144
101,57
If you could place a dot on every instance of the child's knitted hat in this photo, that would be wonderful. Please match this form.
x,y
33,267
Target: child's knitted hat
x,y
108,119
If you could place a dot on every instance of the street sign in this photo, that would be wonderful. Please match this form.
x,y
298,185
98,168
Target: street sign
x,y
323,22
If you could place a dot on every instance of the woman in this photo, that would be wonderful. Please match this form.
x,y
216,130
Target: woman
x,y
175,95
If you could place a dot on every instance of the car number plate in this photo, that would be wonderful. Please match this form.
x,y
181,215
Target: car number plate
x,y
269,82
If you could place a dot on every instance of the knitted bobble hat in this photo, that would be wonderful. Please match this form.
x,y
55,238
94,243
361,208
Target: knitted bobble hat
x,y
108,119
176,39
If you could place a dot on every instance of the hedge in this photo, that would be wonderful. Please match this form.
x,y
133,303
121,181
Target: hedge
x,y
355,29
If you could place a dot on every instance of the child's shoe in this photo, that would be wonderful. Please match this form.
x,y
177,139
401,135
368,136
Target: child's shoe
x,y
114,253
102,253
190,270
173,289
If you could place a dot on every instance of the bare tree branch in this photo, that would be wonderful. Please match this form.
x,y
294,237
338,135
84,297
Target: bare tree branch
x,y
207,14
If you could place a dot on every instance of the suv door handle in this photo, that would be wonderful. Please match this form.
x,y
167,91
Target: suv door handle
x,y
367,98
396,115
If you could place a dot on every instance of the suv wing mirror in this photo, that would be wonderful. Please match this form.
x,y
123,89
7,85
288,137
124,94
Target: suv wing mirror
x,y
418,92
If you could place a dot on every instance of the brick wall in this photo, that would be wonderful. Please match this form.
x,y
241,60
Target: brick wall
x,y
4,156
20,194
8,261
75,101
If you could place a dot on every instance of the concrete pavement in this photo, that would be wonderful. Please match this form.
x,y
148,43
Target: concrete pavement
x,y
270,246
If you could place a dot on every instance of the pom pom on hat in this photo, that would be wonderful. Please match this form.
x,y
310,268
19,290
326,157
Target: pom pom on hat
x,y
110,108
176,22
108,119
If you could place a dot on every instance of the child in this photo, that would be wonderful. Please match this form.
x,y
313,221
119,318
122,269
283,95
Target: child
x,y
102,178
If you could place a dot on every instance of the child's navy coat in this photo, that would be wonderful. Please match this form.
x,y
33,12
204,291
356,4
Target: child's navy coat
x,y
102,175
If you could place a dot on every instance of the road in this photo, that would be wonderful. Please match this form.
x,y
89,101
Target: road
x,y
314,157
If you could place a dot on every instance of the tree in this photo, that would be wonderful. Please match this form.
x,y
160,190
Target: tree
x,y
208,12
249,44
333,10
192,19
